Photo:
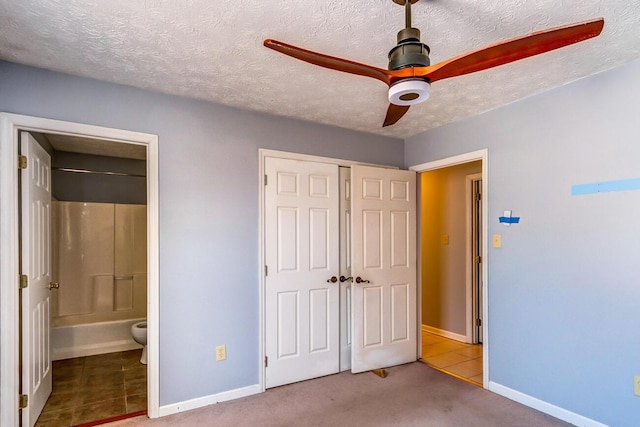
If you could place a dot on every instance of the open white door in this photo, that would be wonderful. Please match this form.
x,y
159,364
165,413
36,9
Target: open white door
x,y
302,265
384,268
36,266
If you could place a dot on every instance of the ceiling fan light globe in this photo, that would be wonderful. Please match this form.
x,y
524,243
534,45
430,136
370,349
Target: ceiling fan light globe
x,y
409,92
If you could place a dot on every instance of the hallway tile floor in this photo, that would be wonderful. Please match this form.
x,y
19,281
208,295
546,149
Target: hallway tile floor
x,y
453,357
94,388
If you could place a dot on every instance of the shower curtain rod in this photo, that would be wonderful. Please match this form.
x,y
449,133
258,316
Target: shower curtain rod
x,y
76,170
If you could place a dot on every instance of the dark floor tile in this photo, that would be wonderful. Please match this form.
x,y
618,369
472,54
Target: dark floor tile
x,y
92,381
133,387
95,387
76,361
61,400
107,370
136,403
106,367
60,418
66,372
132,361
66,384
132,354
136,373
134,364
103,359
99,411
99,393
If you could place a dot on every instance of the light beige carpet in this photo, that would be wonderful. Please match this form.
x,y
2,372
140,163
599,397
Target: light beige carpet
x,y
411,395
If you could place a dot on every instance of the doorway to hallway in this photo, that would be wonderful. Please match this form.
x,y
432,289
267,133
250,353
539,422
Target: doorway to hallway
x,y
453,227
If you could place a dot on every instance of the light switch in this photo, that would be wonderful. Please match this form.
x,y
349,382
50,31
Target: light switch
x,y
445,239
221,352
497,241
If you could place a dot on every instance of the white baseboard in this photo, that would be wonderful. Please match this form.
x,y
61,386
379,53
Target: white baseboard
x,y
542,406
443,333
199,402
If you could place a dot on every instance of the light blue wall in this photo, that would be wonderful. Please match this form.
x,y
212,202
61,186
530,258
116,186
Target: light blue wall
x,y
564,289
208,209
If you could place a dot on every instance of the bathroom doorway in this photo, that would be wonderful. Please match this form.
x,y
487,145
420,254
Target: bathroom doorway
x,y
11,127
99,271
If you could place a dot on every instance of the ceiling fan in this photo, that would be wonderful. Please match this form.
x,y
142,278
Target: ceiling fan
x,y
410,74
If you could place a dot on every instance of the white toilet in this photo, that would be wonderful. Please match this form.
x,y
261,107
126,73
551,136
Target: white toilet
x,y
139,334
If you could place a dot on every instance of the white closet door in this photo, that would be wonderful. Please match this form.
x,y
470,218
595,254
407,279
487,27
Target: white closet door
x,y
301,255
384,307
345,269
36,265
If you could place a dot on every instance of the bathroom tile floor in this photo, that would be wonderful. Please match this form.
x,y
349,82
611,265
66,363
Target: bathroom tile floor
x,y
453,357
94,388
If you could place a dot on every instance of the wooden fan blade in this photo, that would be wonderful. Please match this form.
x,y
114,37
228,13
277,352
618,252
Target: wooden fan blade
x,y
394,113
330,62
511,50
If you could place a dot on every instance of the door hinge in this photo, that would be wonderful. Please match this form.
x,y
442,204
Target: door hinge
x,y
265,179
478,260
266,270
24,281
478,322
23,401
478,196
22,162
266,361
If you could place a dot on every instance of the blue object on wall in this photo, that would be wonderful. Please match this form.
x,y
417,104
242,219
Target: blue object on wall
x,y
606,187
509,220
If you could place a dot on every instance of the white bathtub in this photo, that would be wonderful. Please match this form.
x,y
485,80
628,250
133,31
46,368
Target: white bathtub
x,y
92,338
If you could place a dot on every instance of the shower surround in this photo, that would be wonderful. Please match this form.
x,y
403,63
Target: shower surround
x,y
100,260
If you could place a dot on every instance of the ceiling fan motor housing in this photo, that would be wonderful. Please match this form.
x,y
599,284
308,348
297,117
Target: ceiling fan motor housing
x,y
409,52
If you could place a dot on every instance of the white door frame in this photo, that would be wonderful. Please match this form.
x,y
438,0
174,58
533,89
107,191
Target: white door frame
x,y
482,155
469,261
262,154
10,124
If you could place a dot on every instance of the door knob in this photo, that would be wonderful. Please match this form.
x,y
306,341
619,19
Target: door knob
x,y
344,279
333,279
361,280
54,285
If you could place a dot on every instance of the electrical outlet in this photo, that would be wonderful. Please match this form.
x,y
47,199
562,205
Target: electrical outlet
x,y
497,241
636,385
221,352
445,239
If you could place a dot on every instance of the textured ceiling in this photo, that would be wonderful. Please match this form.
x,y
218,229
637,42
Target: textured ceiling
x,y
213,50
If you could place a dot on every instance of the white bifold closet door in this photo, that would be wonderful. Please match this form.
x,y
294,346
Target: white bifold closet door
x,y
384,294
302,257
309,329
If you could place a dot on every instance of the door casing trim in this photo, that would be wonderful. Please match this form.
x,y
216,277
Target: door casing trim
x,y
482,155
469,261
10,125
